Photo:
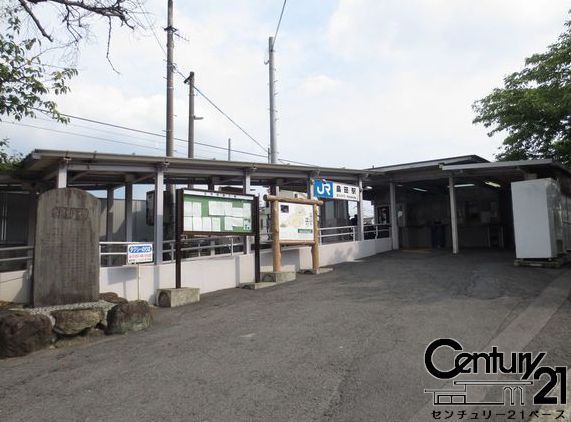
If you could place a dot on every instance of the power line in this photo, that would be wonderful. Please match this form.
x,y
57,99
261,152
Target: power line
x,y
66,132
145,14
154,134
122,127
279,23
203,95
151,26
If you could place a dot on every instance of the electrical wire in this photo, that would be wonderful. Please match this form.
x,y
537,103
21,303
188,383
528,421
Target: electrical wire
x,y
99,138
71,116
279,23
122,127
145,14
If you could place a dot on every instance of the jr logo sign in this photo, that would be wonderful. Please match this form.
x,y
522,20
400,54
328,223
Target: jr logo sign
x,y
323,189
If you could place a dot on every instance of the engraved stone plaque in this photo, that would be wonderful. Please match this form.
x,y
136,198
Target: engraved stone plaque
x,y
66,254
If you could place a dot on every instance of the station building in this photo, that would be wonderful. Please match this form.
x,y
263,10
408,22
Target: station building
x,y
452,203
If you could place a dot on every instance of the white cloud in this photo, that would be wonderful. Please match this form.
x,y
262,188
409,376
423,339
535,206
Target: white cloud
x,y
316,85
360,82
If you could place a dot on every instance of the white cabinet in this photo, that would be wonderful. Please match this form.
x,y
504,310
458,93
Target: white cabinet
x,y
537,212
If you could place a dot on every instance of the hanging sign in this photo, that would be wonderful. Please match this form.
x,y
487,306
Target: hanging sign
x,y
333,190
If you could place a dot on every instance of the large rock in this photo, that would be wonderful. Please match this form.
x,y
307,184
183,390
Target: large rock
x,y
130,316
22,333
112,297
70,322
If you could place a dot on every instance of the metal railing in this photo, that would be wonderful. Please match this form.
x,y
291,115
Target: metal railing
x,y
115,253
214,246
14,258
349,233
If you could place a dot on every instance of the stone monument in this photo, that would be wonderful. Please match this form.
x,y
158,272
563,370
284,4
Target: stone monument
x,y
66,253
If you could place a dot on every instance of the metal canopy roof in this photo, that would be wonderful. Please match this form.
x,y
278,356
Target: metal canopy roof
x,y
470,169
93,170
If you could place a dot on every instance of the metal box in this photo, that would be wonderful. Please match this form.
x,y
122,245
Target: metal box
x,y
538,226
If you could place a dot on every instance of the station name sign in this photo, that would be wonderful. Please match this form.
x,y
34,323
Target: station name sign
x,y
333,190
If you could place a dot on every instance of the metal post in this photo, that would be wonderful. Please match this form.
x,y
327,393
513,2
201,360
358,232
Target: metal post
x,y
159,204
309,187
273,141
360,225
109,215
129,211
256,227
229,149
276,248
453,215
190,81
178,237
109,222
247,240
394,217
62,175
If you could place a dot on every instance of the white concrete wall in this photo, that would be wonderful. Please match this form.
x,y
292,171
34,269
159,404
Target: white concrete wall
x,y
15,286
208,274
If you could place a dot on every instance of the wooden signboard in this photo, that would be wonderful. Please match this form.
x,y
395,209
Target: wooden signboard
x,y
294,222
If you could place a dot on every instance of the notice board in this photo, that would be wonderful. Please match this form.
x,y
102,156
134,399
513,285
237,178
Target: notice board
x,y
213,213
296,222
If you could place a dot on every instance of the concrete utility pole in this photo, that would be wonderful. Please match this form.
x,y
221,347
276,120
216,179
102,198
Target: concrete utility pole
x,y
170,115
229,149
273,140
191,117
170,88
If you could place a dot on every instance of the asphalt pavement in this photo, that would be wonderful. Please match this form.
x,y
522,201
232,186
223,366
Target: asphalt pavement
x,y
343,346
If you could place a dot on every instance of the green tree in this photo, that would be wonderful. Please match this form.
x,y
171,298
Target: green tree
x,y
27,83
9,160
533,108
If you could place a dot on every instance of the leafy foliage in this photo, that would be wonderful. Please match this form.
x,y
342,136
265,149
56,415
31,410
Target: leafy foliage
x,y
534,106
24,80
8,159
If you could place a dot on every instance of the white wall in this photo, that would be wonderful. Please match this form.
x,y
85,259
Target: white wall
x,y
15,287
208,274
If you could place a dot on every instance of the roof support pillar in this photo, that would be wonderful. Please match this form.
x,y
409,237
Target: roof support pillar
x,y
159,208
453,214
394,216
61,181
109,214
360,226
246,188
129,210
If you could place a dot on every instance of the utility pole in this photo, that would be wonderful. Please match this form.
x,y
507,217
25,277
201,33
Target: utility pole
x,y
191,117
170,88
229,149
170,116
273,140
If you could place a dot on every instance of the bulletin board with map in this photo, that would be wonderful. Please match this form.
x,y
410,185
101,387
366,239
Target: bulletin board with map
x,y
217,213
296,222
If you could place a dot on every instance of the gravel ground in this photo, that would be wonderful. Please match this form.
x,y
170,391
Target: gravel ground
x,y
342,346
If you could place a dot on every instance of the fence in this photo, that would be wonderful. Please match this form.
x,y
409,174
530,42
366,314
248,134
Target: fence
x,y
114,254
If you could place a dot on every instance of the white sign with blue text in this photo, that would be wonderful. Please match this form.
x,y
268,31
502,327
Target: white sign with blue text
x,y
332,190
139,253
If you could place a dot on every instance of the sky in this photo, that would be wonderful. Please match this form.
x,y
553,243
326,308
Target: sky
x,y
360,83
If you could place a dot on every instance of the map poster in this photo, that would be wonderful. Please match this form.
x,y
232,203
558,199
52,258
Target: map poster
x,y
296,222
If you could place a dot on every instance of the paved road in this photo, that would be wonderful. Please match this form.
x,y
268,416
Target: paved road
x,y
342,346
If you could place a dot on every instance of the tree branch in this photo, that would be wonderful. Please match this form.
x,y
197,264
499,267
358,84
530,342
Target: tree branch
x,y
35,19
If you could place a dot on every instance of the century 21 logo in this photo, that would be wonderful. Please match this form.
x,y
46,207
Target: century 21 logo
x,y
525,364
